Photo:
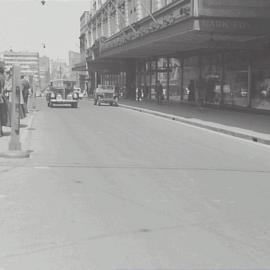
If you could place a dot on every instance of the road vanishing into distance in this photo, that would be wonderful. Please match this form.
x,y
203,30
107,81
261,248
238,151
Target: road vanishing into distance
x,y
111,188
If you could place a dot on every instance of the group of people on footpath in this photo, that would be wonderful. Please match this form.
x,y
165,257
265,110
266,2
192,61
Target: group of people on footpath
x,y
6,97
144,92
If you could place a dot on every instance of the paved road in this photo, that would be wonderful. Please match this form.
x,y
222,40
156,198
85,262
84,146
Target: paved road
x,y
109,188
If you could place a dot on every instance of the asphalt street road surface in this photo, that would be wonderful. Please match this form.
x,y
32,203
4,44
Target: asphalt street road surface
x,y
110,188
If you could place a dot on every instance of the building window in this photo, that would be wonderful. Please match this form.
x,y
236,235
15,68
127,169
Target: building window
x,y
211,73
235,86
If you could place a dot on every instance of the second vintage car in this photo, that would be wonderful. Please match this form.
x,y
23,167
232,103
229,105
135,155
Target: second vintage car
x,y
105,94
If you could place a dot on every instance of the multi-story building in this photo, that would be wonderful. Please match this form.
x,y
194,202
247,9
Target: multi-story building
x,y
81,67
219,49
28,62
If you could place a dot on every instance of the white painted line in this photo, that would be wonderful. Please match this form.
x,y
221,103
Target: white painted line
x,y
42,168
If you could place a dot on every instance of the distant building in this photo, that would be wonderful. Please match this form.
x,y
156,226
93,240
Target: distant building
x,y
28,61
80,67
44,69
59,70
74,58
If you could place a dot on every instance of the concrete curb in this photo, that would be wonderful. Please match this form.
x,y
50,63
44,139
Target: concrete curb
x,y
228,130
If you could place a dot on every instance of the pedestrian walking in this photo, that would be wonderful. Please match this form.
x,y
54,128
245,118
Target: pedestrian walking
x,y
159,92
25,91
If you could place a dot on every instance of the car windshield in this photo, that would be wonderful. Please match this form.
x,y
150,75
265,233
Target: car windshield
x,y
106,87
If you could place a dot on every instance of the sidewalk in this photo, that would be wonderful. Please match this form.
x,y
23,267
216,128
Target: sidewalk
x,y
251,126
26,124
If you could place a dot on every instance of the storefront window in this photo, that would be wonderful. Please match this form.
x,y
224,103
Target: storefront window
x,y
211,78
236,79
260,90
191,78
175,79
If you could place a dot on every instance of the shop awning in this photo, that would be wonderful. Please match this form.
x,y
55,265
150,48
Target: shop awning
x,y
107,65
192,34
204,34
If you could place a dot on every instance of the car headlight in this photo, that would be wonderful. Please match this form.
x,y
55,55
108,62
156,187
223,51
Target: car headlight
x,y
52,95
75,95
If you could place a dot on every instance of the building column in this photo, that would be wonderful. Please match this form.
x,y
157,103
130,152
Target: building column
x,y
109,23
159,4
250,68
92,36
97,35
144,77
182,65
222,79
150,80
102,25
117,17
140,9
199,87
126,12
131,78
168,78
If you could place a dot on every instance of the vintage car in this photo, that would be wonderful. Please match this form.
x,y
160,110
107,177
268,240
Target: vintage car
x,y
61,92
105,94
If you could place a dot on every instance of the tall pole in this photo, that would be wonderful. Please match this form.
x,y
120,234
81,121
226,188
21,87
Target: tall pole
x,y
15,144
15,148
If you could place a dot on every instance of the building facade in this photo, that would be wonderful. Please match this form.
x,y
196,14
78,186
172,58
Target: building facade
x,y
211,51
28,62
81,67
74,58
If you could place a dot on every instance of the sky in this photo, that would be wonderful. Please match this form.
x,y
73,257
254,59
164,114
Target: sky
x,y
25,25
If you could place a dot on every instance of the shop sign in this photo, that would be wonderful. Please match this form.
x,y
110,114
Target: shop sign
x,y
233,26
224,25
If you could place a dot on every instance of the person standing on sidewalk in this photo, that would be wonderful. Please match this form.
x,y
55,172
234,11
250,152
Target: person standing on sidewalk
x,y
159,92
25,91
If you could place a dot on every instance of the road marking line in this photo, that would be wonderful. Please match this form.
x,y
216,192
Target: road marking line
x,y
42,168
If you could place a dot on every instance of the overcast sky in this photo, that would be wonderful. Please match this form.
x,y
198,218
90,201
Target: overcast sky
x,y
27,24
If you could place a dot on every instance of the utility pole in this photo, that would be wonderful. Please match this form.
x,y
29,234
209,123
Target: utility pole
x,y
15,148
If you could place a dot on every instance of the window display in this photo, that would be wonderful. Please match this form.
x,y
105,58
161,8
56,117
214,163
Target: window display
x,y
260,91
236,79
